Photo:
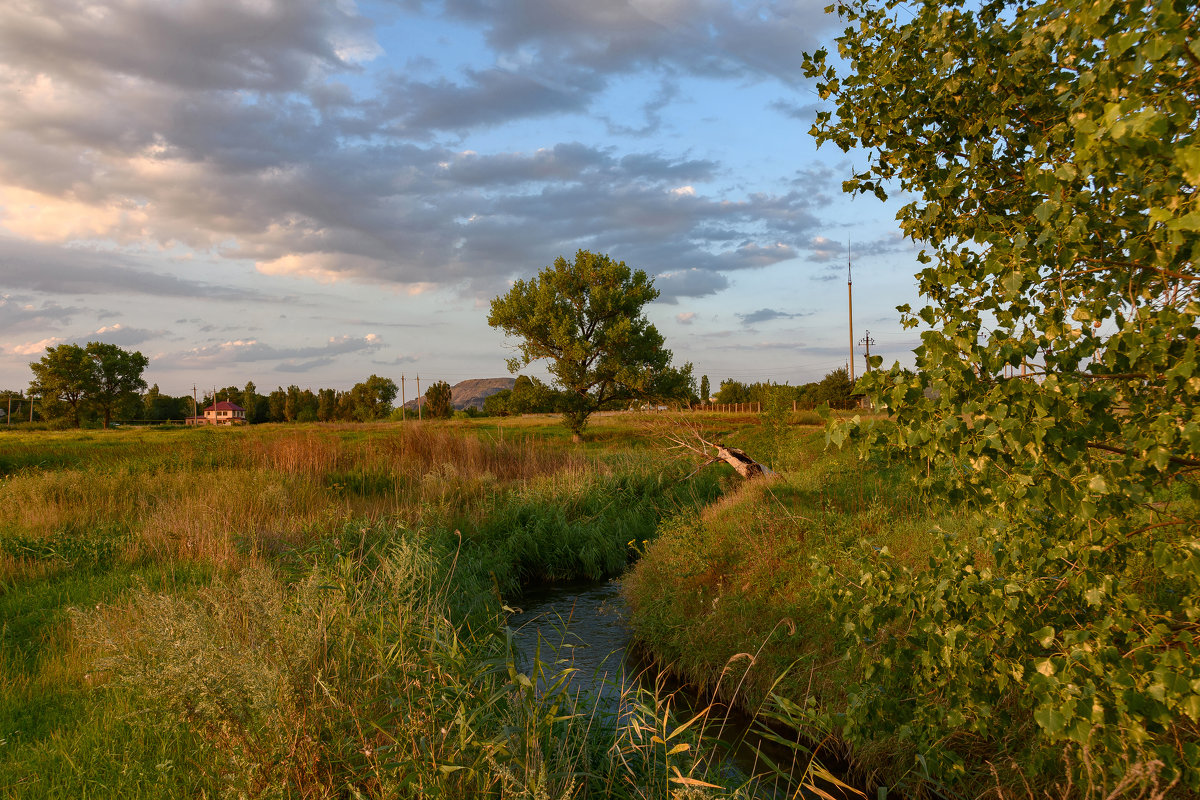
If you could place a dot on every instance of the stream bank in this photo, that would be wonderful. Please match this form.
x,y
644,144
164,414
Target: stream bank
x,y
582,627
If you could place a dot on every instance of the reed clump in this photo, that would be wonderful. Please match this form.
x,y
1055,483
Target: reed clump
x,y
357,681
314,611
219,497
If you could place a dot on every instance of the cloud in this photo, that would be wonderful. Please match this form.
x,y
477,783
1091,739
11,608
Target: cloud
x,y
821,249
825,251
256,132
652,110
216,44
484,98
60,269
34,348
804,112
760,346
766,315
685,317
123,336
18,313
291,359
397,361
699,37
688,283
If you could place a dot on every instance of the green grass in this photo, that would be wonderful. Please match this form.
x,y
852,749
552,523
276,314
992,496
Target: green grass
x,y
724,597
62,735
367,649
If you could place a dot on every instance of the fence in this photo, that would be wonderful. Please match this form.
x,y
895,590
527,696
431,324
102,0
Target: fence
x,y
756,407
733,408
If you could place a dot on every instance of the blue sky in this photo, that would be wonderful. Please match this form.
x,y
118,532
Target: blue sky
x,y
311,191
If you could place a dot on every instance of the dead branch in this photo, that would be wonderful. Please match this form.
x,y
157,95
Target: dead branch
x,y
689,439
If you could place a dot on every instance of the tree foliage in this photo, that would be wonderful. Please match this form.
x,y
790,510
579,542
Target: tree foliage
x,y
117,377
372,399
834,389
1053,151
102,376
586,318
64,374
438,400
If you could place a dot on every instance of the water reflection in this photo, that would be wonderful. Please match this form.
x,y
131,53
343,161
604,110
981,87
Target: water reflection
x,y
583,627
580,626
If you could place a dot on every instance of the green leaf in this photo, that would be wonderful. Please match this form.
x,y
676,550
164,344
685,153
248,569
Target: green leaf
x,y
1051,720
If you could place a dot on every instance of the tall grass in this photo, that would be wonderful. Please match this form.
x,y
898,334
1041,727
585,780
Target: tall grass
x,y
723,597
221,497
355,681
312,612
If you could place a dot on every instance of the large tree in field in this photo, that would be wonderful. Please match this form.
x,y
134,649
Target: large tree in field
x,y
66,374
100,375
1054,153
586,318
372,399
117,377
438,400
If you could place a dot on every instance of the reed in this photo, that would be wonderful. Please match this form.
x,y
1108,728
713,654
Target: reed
x,y
310,611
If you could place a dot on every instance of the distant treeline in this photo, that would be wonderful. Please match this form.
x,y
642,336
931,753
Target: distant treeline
x,y
366,401
834,389
373,400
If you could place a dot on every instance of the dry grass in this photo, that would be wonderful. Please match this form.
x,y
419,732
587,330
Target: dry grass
x,y
221,497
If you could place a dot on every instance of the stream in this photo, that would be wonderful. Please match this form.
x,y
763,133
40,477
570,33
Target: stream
x,y
583,626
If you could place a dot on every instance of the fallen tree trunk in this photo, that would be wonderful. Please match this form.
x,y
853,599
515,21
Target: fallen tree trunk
x,y
746,466
715,452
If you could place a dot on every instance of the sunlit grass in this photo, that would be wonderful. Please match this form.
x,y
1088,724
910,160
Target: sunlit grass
x,y
145,573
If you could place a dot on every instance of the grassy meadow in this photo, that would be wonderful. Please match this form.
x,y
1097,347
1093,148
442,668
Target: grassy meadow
x,y
318,611
311,611
724,597
746,599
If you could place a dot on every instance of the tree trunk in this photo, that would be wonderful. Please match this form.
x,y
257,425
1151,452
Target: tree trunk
x,y
746,466
692,440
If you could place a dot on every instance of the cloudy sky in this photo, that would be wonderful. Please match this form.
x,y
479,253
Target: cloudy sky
x,y
311,191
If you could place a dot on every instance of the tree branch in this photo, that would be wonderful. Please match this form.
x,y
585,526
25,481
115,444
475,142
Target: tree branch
x,y
1108,448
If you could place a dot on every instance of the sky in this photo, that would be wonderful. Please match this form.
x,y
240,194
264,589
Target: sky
x,y
309,192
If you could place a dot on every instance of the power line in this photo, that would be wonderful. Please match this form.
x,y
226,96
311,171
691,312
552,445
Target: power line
x,y
867,341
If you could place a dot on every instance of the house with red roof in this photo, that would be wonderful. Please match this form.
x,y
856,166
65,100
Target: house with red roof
x,y
222,413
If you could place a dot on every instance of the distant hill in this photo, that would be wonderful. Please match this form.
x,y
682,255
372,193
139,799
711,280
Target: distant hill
x,y
472,392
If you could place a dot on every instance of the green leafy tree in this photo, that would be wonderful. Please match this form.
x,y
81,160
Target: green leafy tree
x,y
250,403
326,405
277,405
372,399
705,389
158,407
496,405
438,401
291,404
835,389
731,391
11,402
1054,153
533,396
586,318
65,374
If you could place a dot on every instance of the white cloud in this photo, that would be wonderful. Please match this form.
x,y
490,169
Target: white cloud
x,y
35,348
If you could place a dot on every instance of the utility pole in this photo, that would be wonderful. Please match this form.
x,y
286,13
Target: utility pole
x,y
195,406
867,341
402,398
850,299
418,397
